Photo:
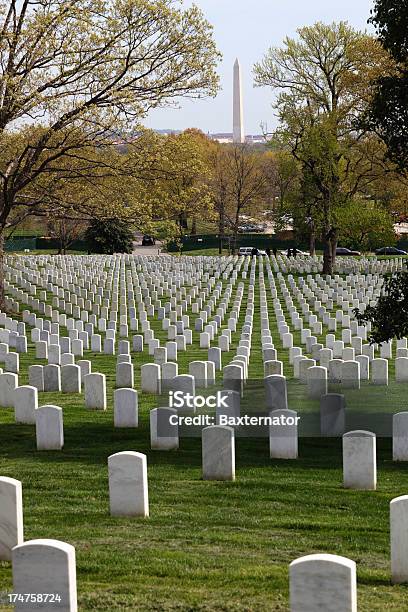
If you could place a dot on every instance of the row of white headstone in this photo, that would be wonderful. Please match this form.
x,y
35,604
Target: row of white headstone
x,y
338,364
54,348
348,369
344,265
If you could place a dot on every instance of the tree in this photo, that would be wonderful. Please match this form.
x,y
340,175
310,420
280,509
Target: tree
x,y
185,167
282,174
389,318
239,184
167,182
79,76
388,112
365,225
246,186
305,208
324,82
320,153
219,189
110,236
66,231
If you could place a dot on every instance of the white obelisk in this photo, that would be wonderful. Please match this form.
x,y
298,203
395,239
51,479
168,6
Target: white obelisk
x,y
238,119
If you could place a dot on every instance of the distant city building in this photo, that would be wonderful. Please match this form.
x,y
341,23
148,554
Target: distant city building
x,y
228,138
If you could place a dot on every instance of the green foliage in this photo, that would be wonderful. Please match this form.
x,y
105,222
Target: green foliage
x,y
110,236
391,20
162,230
389,318
323,78
283,175
76,77
366,226
388,114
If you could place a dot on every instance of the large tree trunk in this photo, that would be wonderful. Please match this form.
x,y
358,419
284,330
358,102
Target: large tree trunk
x,y
221,229
312,242
234,242
235,234
194,227
334,246
327,250
329,253
183,221
327,257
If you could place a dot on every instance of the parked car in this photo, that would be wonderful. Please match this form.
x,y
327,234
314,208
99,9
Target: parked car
x,y
245,250
298,252
148,240
248,251
342,251
390,251
258,228
252,228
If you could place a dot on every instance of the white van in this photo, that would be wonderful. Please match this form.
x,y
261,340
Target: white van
x,y
245,250
248,251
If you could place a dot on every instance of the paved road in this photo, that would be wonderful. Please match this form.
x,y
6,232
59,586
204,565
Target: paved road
x,y
138,249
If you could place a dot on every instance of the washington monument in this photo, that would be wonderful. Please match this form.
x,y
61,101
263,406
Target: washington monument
x,y
238,121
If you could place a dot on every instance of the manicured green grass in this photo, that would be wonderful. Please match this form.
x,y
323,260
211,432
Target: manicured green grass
x,y
48,252
21,231
213,252
207,546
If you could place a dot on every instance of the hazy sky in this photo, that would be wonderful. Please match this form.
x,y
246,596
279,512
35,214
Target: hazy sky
x,y
246,29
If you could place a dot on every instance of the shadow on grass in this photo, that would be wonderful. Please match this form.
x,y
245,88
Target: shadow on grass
x,y
91,443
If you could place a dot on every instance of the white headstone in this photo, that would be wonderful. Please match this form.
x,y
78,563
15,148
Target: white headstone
x,y
25,403
95,391
49,428
359,460
11,516
45,566
399,539
128,489
323,583
8,384
276,392
36,377
218,453
379,371
125,408
71,379
400,436
316,382
151,378
163,432
52,377
332,414
283,434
